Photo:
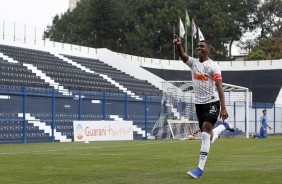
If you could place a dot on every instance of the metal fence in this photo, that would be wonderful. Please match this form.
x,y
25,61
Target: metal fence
x,y
59,110
62,108
274,116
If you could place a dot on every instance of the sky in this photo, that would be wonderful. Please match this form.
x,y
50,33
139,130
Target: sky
x,y
32,12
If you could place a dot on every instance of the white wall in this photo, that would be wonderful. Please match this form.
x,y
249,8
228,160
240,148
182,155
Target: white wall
x,y
224,65
128,67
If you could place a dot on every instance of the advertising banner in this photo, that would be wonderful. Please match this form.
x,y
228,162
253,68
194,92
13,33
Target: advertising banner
x,y
102,130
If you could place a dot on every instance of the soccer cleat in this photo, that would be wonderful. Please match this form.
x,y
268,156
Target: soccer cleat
x,y
196,173
228,126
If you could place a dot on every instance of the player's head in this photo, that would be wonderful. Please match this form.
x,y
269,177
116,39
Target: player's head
x,y
264,111
203,50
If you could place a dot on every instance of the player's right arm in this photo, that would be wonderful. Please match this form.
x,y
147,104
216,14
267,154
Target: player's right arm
x,y
184,56
261,124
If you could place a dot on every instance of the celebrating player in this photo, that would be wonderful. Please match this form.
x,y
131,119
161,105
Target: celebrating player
x,y
209,98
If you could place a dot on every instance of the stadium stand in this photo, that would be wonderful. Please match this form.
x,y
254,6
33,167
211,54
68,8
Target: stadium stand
x,y
133,84
101,87
32,76
65,74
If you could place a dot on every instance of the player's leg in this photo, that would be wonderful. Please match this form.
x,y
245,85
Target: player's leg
x,y
206,141
204,151
209,113
217,131
256,135
265,132
261,132
223,126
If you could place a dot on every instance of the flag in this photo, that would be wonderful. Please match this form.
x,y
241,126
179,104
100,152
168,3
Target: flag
x,y
181,29
188,23
201,36
194,29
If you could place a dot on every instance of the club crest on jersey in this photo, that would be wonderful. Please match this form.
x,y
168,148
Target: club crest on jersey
x,y
206,69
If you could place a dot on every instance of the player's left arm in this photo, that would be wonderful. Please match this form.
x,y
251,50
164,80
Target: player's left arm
x,y
218,82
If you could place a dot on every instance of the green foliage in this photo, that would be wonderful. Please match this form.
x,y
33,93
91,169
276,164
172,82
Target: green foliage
x,y
145,27
257,55
267,48
269,18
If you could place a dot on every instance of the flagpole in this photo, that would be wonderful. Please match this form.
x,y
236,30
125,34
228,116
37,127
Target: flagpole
x,y
179,34
179,30
173,44
186,35
192,53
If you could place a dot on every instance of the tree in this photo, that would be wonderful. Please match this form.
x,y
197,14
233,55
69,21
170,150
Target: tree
x,y
267,48
90,21
269,18
257,55
145,27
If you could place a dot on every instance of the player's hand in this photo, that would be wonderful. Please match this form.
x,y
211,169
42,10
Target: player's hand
x,y
223,114
176,40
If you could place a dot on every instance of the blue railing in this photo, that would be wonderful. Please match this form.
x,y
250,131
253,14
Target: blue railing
x,y
83,105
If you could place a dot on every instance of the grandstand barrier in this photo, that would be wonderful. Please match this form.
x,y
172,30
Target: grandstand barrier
x,y
30,114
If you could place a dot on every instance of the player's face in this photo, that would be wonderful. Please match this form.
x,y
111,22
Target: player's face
x,y
202,50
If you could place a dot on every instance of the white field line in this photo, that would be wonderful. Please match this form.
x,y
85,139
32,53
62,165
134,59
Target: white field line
x,y
113,155
87,148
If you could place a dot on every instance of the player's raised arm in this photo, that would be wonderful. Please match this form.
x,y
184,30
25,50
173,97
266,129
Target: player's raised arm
x,y
184,56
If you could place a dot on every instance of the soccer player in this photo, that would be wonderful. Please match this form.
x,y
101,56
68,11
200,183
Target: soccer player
x,y
209,98
263,126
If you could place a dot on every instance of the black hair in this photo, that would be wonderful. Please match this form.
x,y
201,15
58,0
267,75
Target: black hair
x,y
207,42
264,110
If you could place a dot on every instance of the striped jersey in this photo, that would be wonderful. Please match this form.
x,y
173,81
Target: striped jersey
x,y
203,79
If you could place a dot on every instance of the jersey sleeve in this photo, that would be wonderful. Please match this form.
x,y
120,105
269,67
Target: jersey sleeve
x,y
190,62
216,72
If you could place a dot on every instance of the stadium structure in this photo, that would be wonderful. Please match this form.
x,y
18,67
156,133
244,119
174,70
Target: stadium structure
x,y
45,86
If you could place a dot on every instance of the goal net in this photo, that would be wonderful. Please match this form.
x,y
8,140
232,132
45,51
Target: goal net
x,y
178,119
182,129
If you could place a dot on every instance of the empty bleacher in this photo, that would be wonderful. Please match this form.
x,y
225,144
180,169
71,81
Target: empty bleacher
x,y
65,74
36,98
17,74
136,85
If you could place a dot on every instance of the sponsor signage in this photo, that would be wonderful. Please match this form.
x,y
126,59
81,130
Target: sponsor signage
x,y
102,130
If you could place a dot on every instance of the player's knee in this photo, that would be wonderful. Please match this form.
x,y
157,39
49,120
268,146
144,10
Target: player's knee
x,y
207,127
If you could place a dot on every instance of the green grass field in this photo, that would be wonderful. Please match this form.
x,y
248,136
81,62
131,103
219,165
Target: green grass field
x,y
231,160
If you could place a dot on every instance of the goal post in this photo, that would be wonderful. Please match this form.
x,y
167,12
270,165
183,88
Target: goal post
x,y
182,129
178,119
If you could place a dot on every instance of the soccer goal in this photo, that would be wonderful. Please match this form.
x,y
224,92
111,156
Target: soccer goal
x,y
182,129
178,119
